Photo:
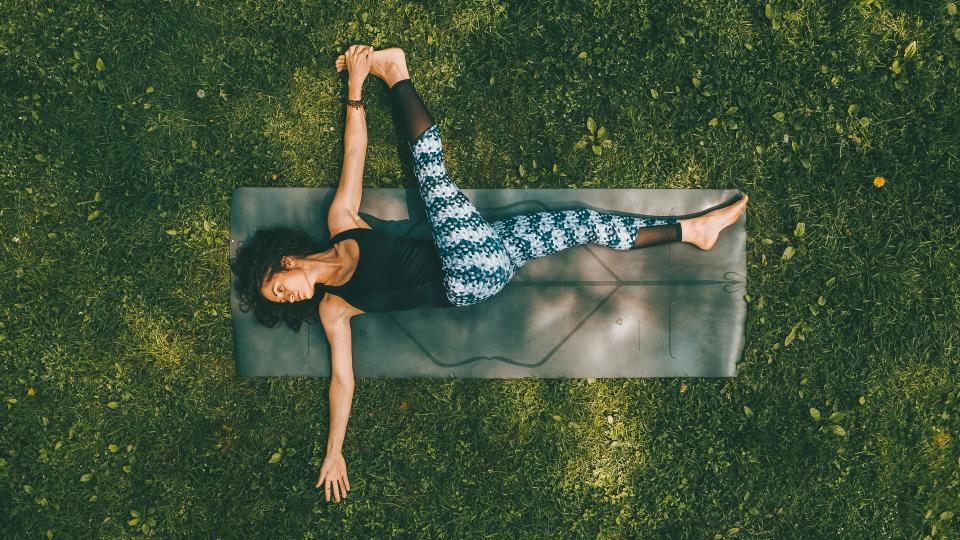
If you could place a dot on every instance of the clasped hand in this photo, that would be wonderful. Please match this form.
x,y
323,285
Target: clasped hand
x,y
333,474
359,59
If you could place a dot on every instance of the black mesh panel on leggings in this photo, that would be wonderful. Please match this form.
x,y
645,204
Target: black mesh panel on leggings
x,y
658,234
408,109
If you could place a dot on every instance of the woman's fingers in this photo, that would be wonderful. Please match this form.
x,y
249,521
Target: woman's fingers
x,y
338,486
359,49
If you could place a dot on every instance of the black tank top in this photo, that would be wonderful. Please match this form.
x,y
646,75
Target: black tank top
x,y
393,274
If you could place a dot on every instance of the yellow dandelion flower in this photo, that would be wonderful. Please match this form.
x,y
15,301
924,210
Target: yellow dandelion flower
x,y
274,177
31,392
683,387
879,181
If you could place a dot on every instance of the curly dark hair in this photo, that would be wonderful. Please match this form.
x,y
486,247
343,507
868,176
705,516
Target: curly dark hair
x,y
258,259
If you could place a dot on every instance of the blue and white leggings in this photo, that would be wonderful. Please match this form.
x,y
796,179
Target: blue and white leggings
x,y
480,258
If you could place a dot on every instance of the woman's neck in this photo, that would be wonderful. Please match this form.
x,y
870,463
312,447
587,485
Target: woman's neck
x,y
329,266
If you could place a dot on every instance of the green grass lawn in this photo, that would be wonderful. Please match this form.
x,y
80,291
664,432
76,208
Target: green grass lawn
x,y
124,131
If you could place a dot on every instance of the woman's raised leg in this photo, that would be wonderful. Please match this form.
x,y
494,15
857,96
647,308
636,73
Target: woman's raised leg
x,y
476,264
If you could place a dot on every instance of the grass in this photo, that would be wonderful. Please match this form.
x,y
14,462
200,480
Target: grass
x,y
123,414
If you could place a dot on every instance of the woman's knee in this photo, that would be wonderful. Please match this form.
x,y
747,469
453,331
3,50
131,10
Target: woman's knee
x,y
465,293
428,143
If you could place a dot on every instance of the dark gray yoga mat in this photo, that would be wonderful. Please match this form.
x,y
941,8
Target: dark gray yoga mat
x,y
669,310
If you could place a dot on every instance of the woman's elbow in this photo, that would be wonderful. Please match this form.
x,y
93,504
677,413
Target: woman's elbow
x,y
343,381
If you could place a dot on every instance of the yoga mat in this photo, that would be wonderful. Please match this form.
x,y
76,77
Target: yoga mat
x,y
671,310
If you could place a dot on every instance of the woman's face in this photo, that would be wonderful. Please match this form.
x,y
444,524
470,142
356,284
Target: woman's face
x,y
287,286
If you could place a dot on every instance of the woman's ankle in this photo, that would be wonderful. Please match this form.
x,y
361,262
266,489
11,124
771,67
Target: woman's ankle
x,y
395,74
396,82
688,229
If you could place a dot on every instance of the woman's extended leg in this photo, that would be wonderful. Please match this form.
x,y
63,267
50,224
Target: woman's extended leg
x,y
535,235
476,264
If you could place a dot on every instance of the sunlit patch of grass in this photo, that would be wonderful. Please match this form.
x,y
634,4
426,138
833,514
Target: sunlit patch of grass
x,y
901,405
689,173
518,412
485,157
152,336
299,126
611,450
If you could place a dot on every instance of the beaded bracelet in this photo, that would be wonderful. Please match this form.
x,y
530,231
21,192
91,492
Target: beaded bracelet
x,y
355,103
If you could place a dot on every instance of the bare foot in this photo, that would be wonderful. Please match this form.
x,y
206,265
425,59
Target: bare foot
x,y
704,230
388,64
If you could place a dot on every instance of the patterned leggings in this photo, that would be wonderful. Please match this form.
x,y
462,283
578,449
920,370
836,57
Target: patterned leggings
x,y
480,258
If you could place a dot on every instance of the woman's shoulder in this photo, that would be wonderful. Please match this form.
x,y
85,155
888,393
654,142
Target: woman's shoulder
x,y
338,227
347,233
332,306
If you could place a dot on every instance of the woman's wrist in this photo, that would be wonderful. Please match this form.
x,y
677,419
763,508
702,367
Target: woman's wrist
x,y
354,89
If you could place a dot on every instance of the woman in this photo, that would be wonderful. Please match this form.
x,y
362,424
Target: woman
x,y
468,261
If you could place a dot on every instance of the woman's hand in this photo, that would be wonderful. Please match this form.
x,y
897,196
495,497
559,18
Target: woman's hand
x,y
333,474
359,59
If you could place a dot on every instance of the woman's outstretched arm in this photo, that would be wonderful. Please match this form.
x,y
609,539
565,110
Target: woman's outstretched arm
x,y
333,472
341,382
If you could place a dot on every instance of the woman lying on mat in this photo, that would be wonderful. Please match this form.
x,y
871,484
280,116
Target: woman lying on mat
x,y
284,274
